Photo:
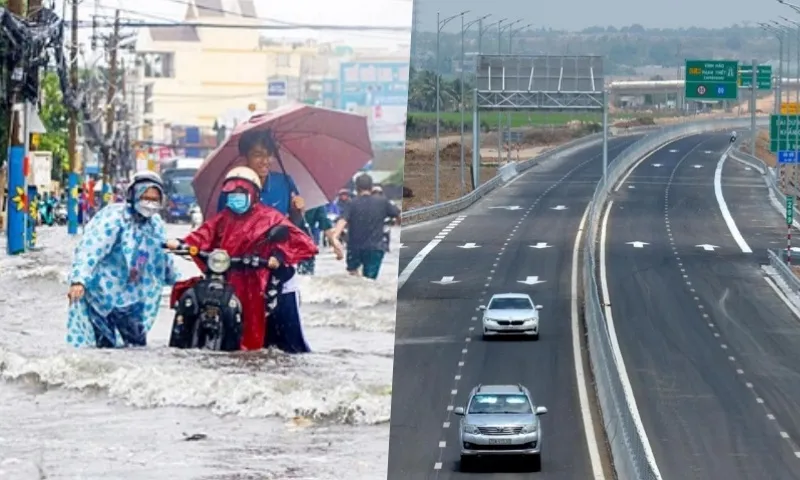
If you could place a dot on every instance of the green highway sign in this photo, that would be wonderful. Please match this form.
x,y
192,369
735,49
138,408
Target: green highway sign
x,y
763,76
712,79
781,126
789,209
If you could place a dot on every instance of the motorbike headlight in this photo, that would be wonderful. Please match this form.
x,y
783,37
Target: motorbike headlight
x,y
471,429
219,261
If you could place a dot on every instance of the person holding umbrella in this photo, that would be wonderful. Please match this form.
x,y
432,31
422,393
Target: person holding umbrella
x,y
294,149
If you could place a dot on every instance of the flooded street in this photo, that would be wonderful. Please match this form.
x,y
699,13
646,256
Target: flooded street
x,y
161,413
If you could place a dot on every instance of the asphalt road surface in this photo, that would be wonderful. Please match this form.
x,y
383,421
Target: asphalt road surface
x,y
439,353
711,350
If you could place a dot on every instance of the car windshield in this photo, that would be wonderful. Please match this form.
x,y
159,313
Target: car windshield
x,y
510,304
181,186
503,403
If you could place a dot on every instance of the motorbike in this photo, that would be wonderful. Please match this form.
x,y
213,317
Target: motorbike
x,y
214,319
733,138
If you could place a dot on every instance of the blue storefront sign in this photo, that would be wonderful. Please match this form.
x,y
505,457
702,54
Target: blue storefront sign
x,y
276,89
373,83
380,91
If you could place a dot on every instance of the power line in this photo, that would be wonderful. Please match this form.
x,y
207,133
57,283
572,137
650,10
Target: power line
x,y
346,28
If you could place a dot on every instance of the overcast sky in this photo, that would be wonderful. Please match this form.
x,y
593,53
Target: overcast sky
x,y
578,14
338,12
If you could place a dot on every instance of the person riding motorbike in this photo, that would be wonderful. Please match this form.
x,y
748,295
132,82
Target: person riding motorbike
x,y
733,136
240,228
119,270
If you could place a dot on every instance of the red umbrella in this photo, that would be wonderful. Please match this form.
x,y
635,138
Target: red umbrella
x,y
320,148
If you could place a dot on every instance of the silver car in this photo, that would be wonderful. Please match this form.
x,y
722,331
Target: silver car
x,y
511,314
500,420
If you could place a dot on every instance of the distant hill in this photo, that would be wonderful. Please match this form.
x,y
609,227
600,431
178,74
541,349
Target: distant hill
x,y
628,49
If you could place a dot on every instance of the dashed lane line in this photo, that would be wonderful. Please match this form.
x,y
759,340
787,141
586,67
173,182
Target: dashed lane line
x,y
462,361
420,256
711,325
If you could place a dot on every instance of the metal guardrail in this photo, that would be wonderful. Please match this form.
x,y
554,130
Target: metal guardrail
x,y
440,210
769,174
633,458
777,260
430,212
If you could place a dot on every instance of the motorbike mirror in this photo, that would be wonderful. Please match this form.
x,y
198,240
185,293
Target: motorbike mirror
x,y
278,233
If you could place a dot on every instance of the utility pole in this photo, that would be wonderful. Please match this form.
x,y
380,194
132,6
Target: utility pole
x,y
72,128
108,149
15,221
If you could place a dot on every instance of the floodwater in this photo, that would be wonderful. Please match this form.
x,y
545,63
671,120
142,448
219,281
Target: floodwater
x,y
160,413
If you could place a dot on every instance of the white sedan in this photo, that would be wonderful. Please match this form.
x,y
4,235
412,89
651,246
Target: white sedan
x,y
511,314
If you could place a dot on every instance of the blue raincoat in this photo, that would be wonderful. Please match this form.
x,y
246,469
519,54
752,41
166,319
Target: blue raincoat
x,y
122,266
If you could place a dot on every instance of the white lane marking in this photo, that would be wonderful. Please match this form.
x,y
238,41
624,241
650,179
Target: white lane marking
x,y
577,359
420,256
636,165
612,333
782,296
723,207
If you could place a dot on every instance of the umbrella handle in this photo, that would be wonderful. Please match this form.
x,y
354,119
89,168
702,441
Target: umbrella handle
x,y
273,146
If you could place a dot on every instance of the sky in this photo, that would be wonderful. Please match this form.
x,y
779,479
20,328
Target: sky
x,y
579,14
396,13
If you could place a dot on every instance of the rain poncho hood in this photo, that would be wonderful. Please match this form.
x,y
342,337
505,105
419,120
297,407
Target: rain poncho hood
x,y
121,264
244,235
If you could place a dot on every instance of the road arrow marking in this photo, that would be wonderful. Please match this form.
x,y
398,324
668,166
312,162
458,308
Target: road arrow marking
x,y
697,166
541,245
403,245
708,152
469,245
531,281
637,244
707,247
657,165
673,151
631,186
509,207
445,281
559,207
747,168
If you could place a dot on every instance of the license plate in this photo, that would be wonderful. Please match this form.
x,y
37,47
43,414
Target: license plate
x,y
499,441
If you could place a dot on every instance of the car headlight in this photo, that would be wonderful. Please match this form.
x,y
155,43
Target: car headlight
x,y
529,429
471,429
219,261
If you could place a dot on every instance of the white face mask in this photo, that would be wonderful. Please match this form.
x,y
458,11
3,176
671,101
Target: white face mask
x,y
147,208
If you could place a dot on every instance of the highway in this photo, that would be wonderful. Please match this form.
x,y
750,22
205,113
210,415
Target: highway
x,y
710,348
439,353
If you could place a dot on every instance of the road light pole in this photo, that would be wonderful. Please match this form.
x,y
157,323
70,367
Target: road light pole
x,y
500,29
511,33
780,170
778,93
464,28
440,24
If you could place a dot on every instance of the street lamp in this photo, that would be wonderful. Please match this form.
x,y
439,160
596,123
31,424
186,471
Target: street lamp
x,y
779,36
513,32
464,28
440,24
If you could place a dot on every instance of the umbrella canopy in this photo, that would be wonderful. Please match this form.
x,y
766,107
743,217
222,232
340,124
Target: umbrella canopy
x,y
320,148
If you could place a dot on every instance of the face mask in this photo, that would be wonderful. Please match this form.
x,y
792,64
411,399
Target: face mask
x,y
147,208
238,202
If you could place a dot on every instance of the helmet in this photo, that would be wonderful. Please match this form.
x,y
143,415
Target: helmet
x,y
377,189
148,177
244,173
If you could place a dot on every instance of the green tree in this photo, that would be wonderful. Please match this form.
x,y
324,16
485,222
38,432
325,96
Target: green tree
x,y
54,116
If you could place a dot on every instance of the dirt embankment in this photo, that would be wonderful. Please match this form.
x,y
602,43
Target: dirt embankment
x,y
419,175
419,169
